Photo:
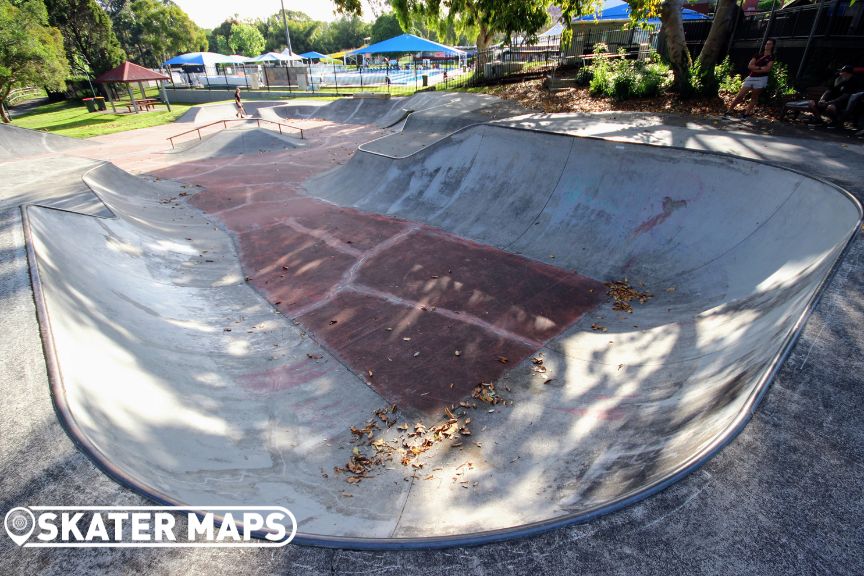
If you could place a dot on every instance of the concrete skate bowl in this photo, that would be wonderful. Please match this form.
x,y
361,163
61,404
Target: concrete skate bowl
x,y
18,142
434,114
234,141
185,384
342,111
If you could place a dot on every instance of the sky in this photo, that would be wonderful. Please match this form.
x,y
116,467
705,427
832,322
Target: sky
x,y
211,13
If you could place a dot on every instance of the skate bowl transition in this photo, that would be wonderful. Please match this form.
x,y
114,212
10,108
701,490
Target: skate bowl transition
x,y
469,373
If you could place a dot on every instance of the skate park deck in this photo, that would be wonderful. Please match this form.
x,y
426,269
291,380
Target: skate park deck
x,y
688,368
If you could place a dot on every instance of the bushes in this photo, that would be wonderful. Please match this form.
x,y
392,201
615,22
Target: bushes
x,y
727,81
778,80
622,79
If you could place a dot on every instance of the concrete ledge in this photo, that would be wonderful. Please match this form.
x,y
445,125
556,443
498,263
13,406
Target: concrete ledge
x,y
380,95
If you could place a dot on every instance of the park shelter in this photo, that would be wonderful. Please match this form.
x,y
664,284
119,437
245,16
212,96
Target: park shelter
x,y
621,12
276,57
312,56
206,59
238,59
406,43
615,11
199,62
127,73
286,54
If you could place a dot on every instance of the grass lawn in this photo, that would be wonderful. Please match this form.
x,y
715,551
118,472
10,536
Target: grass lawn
x,y
72,119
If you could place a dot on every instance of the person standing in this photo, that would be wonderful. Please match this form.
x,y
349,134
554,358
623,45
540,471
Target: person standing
x,y
238,103
760,68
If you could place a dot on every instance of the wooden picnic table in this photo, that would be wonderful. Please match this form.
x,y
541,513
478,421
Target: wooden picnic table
x,y
145,103
587,58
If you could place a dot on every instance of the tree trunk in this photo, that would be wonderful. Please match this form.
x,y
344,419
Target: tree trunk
x,y
4,93
715,45
676,47
483,40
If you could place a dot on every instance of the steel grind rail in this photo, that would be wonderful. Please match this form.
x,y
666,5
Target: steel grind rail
x,y
225,126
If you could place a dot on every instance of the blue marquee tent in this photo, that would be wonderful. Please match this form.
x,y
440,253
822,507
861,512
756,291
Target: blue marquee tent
x,y
313,56
615,11
406,43
198,59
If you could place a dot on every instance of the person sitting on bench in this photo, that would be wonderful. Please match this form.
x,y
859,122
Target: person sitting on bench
x,y
834,102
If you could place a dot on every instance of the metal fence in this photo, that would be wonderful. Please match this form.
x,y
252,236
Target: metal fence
x,y
398,78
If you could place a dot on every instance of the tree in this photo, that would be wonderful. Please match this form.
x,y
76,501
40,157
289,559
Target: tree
x,y
151,31
31,51
487,17
219,36
91,46
714,48
672,29
303,29
341,34
246,40
672,26
385,26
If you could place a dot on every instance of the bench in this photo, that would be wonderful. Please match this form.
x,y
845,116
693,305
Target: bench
x,y
145,103
812,95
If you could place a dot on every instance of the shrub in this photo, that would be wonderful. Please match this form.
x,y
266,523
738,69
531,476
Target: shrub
x,y
697,80
778,82
727,81
623,79
583,76
600,78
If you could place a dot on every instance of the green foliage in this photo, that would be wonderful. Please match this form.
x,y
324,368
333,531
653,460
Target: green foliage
x,y
385,26
31,52
341,34
70,118
151,31
245,40
583,76
217,38
699,81
88,35
302,28
487,17
624,79
778,82
727,81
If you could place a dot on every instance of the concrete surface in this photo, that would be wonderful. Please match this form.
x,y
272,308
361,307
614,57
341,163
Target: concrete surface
x,y
757,486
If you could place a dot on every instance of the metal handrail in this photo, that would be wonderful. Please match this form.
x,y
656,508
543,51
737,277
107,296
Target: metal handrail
x,y
225,126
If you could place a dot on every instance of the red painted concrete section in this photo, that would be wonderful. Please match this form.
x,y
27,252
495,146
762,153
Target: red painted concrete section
x,y
421,315
532,300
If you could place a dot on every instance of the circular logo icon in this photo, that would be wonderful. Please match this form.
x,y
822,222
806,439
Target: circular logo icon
x,y
19,524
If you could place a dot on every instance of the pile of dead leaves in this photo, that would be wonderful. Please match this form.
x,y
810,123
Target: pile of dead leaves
x,y
410,443
622,293
539,368
532,95
486,393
